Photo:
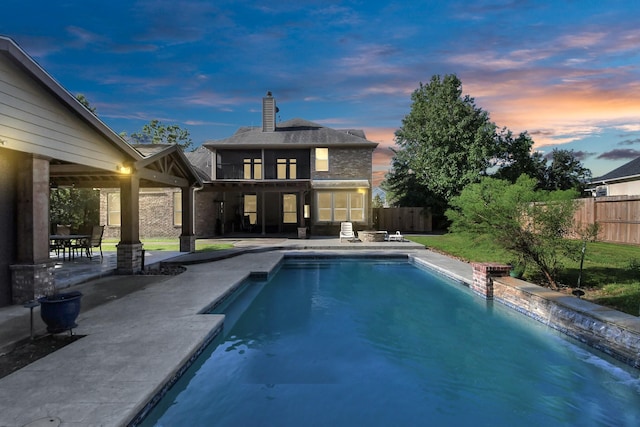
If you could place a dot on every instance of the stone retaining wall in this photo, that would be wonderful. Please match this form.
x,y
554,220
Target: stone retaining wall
x,y
608,330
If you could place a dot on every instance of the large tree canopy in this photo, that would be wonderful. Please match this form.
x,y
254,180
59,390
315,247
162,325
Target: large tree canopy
x,y
446,143
447,140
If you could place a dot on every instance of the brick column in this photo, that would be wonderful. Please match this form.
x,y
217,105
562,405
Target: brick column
x,y
483,272
129,258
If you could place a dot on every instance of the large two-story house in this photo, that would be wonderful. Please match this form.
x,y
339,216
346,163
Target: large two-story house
x,y
282,177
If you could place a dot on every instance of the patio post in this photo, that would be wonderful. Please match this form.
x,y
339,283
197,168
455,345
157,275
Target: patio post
x,y
188,238
130,248
32,275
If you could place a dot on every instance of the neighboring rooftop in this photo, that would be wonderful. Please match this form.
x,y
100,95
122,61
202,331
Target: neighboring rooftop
x,y
625,172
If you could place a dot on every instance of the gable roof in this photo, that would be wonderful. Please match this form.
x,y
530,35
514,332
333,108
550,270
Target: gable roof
x,y
628,171
103,151
294,133
29,66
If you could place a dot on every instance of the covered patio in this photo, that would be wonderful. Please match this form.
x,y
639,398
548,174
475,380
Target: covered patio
x,y
49,138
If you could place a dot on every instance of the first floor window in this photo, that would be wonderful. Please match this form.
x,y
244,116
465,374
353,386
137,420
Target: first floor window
x,y
325,206
177,208
289,210
113,209
251,208
340,206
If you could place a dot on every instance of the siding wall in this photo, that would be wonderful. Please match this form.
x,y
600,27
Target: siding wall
x,y
33,121
8,216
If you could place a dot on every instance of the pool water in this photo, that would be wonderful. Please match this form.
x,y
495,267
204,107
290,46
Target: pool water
x,y
385,343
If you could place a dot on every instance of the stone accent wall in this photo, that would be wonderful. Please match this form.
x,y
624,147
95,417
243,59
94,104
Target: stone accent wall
x,y
30,282
608,330
483,274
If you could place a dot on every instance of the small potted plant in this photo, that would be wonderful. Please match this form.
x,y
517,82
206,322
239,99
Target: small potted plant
x,y
60,311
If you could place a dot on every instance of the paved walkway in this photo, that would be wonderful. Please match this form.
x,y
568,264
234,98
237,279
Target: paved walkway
x,y
141,329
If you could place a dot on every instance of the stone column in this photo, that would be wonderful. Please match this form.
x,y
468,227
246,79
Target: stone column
x,y
483,272
188,238
129,250
32,276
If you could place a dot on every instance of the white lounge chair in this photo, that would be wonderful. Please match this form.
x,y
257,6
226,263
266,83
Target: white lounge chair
x,y
396,237
346,231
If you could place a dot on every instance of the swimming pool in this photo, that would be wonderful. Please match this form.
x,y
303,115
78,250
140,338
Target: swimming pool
x,y
352,342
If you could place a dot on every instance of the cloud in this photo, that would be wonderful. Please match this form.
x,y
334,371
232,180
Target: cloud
x,y
619,154
630,142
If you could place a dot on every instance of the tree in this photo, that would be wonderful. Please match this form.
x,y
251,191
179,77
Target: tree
x,y
155,132
402,186
531,224
515,157
77,207
84,101
566,172
377,202
447,141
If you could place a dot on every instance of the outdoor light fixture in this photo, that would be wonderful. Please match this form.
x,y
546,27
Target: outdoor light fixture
x,y
125,169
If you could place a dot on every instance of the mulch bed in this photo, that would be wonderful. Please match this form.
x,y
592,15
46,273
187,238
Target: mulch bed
x,y
30,351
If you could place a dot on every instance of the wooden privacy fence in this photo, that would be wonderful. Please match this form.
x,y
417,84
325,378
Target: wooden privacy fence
x,y
618,217
405,220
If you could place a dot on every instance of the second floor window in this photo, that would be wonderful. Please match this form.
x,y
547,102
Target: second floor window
x,y
322,159
252,168
287,169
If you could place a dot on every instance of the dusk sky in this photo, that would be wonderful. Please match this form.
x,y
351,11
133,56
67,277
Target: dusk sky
x,y
568,72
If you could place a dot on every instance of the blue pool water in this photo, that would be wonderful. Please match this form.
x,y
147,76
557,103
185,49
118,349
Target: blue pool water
x,y
384,343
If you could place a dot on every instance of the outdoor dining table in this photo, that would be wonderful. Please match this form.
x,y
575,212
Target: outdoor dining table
x,y
65,241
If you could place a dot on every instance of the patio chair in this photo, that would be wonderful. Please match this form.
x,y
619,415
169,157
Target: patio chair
x,y
56,245
395,237
95,241
346,231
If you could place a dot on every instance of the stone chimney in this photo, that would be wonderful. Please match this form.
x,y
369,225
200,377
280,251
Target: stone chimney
x,y
269,111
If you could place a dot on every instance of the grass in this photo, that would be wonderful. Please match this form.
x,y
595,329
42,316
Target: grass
x,y
109,245
610,275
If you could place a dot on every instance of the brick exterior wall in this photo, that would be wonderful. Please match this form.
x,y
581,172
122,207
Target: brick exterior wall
x,y
156,214
345,163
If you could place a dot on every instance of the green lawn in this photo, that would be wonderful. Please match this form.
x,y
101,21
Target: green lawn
x,y
167,245
610,277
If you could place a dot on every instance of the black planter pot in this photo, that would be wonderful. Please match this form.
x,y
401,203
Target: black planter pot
x,y
60,311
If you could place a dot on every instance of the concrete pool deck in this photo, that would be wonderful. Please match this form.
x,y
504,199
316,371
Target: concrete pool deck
x,y
140,330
